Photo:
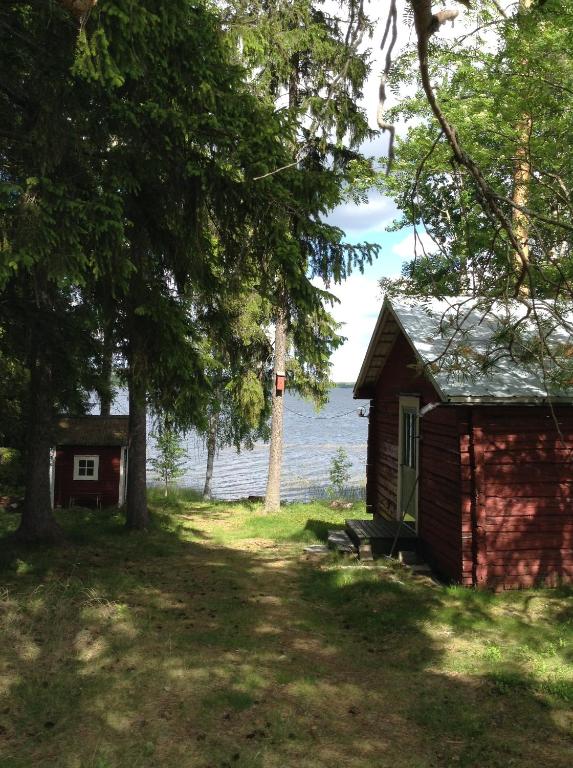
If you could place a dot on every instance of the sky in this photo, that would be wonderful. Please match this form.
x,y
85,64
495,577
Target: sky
x,y
360,296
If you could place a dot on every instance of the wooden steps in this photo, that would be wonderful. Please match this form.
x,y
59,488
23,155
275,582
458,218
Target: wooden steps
x,y
341,542
369,538
376,537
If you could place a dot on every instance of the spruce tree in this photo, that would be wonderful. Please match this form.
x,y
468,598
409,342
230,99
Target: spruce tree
x,y
310,63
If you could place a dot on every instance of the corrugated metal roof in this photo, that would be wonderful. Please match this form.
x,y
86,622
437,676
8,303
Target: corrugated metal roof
x,y
467,349
91,430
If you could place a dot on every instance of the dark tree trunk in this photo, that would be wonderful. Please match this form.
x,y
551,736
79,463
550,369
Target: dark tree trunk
x,y
38,522
273,494
211,449
106,393
137,513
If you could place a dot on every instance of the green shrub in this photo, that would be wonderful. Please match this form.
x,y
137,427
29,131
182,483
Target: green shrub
x,y
11,470
339,472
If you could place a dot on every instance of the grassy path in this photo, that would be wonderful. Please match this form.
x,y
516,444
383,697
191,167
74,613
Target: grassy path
x,y
212,642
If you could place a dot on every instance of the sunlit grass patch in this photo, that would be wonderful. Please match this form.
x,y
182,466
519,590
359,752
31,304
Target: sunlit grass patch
x,y
296,523
210,641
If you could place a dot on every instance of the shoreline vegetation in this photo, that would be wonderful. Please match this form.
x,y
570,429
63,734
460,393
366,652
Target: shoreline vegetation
x,y
216,641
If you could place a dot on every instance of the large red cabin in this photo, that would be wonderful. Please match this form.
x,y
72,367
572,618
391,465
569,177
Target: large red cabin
x,y
89,466
478,464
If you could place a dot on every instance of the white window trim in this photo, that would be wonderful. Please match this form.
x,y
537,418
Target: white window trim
x,y
407,401
88,478
122,476
52,474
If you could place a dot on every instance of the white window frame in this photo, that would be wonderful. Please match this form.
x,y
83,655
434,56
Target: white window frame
x,y
122,476
89,478
408,402
52,474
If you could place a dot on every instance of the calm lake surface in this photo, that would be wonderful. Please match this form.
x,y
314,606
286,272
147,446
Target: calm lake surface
x,y
310,441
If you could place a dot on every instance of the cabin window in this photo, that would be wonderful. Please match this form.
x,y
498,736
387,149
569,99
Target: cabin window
x,y
409,449
408,439
86,467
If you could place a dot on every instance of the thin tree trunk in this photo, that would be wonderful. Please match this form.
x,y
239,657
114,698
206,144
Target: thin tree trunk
x,y
273,494
211,449
520,195
426,24
38,522
105,392
137,513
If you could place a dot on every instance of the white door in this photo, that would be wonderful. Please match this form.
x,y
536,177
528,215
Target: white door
x,y
408,454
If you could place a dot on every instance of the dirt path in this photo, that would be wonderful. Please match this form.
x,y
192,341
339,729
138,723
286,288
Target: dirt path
x,y
196,648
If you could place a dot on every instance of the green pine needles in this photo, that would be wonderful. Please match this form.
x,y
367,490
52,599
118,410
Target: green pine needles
x,y
170,460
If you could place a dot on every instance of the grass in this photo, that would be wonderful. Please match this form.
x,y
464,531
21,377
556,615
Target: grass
x,y
211,641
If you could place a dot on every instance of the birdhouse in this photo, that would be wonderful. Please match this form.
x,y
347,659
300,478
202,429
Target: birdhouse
x,y
280,383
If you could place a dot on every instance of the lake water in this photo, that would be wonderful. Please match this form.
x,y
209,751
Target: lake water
x,y
310,441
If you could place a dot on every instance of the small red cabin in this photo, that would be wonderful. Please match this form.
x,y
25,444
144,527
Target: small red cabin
x,y
476,460
89,465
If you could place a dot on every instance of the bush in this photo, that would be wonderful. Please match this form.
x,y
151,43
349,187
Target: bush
x,y
11,470
339,472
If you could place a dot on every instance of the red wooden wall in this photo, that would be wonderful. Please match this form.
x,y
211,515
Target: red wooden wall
x,y
439,517
495,486
85,492
521,502
439,514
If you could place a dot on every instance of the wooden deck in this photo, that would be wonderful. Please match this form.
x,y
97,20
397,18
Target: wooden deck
x,y
376,537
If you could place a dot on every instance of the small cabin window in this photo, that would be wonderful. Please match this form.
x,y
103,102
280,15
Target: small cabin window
x,y
86,467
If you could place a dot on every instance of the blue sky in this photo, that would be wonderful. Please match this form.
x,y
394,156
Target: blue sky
x,y
360,296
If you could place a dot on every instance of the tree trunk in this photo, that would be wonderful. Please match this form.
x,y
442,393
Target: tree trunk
x,y
105,393
520,195
38,522
137,513
520,198
273,494
211,449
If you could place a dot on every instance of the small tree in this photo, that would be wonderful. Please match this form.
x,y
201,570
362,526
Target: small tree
x,y
169,463
339,472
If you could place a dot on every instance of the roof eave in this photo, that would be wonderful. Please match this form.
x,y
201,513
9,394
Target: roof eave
x,y
361,390
510,400
427,372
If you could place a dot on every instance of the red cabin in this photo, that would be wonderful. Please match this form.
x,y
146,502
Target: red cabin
x,y
478,464
89,466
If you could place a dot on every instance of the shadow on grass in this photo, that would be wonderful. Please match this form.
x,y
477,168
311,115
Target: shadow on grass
x,y
154,650
320,528
477,713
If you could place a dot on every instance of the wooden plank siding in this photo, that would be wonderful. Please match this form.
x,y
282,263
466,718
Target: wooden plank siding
x,y
85,492
439,516
440,520
495,484
527,489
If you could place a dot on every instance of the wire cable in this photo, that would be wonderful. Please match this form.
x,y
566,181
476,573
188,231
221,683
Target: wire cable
x,y
327,418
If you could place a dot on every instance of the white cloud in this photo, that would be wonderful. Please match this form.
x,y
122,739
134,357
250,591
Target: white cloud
x,y
360,302
414,244
360,295
377,213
